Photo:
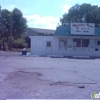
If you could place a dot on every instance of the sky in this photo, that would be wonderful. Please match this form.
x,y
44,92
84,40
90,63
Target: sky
x,y
43,13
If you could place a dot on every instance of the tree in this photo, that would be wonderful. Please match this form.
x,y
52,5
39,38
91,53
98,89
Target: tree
x,y
4,27
82,13
19,23
6,22
19,43
28,41
12,20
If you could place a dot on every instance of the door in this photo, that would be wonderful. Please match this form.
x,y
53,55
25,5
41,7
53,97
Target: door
x,y
70,44
37,47
92,44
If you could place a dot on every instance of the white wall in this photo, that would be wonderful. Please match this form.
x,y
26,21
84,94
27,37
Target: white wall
x,y
38,47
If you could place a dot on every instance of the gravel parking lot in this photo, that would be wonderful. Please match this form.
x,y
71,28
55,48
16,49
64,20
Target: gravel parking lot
x,y
47,78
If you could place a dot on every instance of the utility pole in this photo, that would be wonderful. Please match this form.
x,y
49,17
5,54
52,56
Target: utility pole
x,y
10,32
2,28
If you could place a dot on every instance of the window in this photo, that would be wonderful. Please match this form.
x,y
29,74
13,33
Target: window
x,y
77,42
98,42
62,44
85,42
48,44
69,46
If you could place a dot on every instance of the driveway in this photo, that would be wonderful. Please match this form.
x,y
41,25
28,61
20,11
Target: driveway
x,y
47,78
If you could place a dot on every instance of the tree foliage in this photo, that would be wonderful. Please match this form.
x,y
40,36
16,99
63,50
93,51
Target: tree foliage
x,y
19,23
6,22
13,20
82,13
19,43
28,41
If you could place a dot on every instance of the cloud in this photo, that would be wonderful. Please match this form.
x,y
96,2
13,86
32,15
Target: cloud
x,y
68,0
65,7
94,4
12,6
9,7
48,22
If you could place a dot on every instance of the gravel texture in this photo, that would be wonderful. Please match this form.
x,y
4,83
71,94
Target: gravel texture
x,y
47,78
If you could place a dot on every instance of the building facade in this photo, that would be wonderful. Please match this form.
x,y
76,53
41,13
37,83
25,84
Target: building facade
x,y
77,40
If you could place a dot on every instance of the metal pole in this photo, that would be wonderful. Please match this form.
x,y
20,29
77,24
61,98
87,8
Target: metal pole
x,y
3,37
2,29
10,32
81,44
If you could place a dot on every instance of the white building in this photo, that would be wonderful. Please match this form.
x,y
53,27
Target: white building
x,y
81,39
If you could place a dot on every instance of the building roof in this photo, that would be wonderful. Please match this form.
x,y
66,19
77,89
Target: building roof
x,y
39,31
46,31
66,31
62,31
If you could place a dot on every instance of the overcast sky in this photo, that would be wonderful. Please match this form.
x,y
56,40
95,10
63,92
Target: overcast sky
x,y
43,13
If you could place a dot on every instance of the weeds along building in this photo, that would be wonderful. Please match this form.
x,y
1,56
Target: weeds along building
x,y
80,39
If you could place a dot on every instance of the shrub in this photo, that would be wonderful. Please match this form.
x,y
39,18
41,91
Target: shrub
x,y
28,41
19,43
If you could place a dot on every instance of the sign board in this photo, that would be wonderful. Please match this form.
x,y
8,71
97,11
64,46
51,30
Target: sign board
x,y
83,28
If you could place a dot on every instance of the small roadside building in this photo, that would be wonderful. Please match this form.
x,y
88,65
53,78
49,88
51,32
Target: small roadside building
x,y
80,39
37,32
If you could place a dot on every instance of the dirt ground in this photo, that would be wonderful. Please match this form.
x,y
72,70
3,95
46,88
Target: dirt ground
x,y
47,78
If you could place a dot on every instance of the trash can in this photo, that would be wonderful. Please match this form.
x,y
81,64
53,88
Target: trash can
x,y
24,52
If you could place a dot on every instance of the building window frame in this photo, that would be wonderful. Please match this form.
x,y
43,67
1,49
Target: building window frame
x,y
85,42
77,42
48,44
62,43
98,43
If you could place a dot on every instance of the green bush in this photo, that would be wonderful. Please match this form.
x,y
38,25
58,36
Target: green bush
x,y
6,46
28,41
19,43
